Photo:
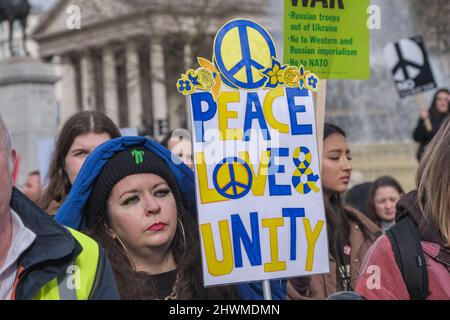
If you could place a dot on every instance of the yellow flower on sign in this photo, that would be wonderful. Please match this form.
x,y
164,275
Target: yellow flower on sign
x,y
216,75
291,76
274,74
205,78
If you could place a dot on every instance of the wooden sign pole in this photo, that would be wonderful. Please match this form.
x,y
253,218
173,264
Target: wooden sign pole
x,y
319,105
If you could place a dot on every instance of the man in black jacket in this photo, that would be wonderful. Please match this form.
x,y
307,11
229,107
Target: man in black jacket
x,y
40,259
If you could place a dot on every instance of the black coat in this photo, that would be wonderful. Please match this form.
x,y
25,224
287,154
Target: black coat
x,y
423,136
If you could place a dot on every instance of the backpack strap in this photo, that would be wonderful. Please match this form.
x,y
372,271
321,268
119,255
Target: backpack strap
x,y
405,242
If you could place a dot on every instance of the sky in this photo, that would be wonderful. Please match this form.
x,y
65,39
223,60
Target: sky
x,y
44,4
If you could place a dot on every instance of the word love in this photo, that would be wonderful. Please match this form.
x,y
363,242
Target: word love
x,y
235,177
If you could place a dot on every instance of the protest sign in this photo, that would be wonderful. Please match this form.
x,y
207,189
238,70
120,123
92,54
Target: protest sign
x,y
328,37
408,61
258,186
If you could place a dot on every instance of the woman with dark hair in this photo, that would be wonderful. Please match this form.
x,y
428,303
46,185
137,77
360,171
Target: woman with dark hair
x,y
140,206
350,233
430,121
81,134
383,197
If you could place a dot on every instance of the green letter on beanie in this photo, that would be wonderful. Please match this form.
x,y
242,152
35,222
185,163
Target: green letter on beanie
x,y
138,156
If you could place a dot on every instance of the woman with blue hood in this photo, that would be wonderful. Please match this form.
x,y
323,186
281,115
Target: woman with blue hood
x,y
140,206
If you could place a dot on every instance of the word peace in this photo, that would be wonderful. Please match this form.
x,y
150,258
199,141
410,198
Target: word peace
x,y
204,109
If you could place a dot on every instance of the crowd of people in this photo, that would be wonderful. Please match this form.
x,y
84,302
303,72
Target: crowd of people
x,y
122,210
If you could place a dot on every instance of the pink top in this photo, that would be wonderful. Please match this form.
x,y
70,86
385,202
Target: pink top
x,y
381,279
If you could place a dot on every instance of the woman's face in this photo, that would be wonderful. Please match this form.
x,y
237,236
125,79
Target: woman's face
x,y
442,101
337,168
143,213
385,200
81,147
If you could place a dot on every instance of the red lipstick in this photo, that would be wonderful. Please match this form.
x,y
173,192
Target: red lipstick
x,y
157,226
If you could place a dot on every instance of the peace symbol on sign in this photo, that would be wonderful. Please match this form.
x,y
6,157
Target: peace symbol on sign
x,y
232,178
242,49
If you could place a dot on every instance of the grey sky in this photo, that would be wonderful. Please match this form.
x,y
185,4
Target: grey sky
x,y
43,4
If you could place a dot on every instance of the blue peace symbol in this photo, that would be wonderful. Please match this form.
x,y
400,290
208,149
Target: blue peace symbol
x,y
233,183
247,62
225,80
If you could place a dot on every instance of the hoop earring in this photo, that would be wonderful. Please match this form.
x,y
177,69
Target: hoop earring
x,y
116,237
184,234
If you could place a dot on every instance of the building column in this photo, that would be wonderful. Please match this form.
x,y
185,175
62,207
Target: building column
x,y
87,81
159,91
187,53
135,108
66,89
110,85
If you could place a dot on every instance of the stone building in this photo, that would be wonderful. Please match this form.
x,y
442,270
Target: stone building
x,y
125,56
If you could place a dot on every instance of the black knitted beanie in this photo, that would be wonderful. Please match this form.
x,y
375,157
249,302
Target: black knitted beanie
x,y
125,163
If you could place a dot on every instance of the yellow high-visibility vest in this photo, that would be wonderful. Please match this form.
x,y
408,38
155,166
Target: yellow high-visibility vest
x,y
78,281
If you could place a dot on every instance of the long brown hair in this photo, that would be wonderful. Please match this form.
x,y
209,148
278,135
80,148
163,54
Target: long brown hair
x,y
338,217
384,181
433,109
79,124
185,247
433,181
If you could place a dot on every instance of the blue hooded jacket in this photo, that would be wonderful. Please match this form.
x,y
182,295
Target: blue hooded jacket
x,y
71,212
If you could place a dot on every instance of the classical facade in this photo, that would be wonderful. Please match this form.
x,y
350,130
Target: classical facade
x,y
124,57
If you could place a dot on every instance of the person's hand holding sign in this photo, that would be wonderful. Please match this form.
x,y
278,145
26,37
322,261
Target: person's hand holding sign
x,y
424,114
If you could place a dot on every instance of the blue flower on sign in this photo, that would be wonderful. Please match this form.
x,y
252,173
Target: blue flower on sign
x,y
312,81
185,86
